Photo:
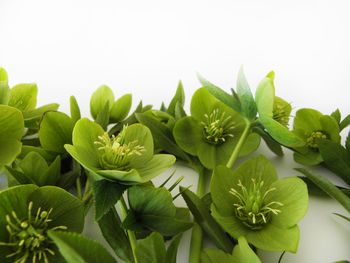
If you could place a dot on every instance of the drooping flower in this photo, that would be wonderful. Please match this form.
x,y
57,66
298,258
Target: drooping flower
x,y
27,213
253,203
311,126
127,158
212,131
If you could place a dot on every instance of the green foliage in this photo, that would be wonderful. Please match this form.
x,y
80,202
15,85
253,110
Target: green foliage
x,y
23,97
76,248
153,209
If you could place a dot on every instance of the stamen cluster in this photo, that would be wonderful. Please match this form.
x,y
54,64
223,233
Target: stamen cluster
x,y
280,114
217,127
116,154
311,141
28,237
251,208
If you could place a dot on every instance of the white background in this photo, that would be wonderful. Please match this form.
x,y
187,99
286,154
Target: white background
x,y
145,47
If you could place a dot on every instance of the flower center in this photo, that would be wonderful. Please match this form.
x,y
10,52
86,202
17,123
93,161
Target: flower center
x,y
116,154
28,237
251,208
311,141
217,127
280,114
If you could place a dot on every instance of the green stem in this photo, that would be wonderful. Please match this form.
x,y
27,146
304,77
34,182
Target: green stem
x,y
131,234
239,145
78,183
197,232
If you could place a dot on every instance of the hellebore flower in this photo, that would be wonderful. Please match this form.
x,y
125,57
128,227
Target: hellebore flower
x,y
212,131
253,203
27,213
311,125
127,158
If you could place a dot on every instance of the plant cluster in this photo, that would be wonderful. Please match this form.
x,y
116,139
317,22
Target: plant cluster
x,y
60,166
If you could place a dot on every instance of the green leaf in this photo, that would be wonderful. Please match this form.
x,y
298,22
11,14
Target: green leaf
x,y
149,200
242,253
344,123
171,252
327,187
99,99
165,225
23,97
55,131
151,249
74,109
221,94
347,142
206,221
214,256
120,109
179,98
280,133
274,146
336,157
115,235
264,97
163,138
336,115
342,216
76,248
11,130
248,106
106,195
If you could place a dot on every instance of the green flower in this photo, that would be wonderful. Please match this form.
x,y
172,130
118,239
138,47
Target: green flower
x,y
253,203
27,213
127,157
311,125
281,111
212,131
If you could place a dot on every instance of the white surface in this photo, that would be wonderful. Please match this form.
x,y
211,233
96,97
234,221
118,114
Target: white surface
x,y
145,47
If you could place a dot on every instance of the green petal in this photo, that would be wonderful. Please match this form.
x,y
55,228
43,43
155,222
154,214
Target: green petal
x,y
11,130
221,183
272,238
230,223
124,177
67,210
202,103
120,108
23,97
55,131
14,199
88,161
207,154
188,133
292,193
308,120
159,164
242,253
264,97
140,133
99,99
85,134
